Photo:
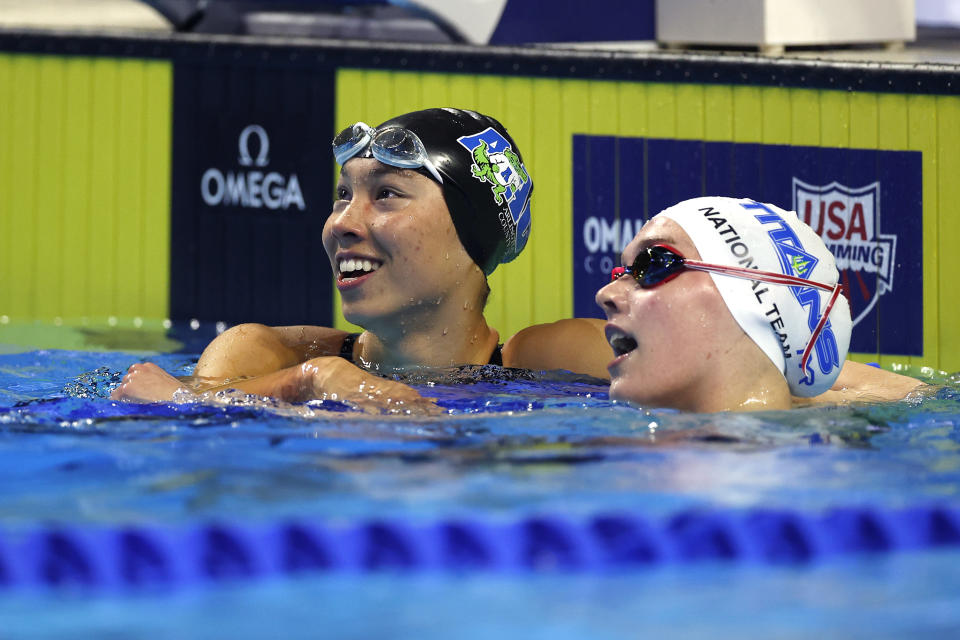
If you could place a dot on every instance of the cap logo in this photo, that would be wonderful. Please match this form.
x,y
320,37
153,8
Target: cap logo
x,y
794,258
496,163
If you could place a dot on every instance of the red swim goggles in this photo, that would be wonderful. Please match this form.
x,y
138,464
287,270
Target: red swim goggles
x,y
660,263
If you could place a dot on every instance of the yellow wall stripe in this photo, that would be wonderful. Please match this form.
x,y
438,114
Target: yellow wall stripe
x,y
942,247
84,188
18,196
76,187
777,113
921,132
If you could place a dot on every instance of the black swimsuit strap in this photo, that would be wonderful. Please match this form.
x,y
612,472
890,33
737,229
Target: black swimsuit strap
x,y
346,349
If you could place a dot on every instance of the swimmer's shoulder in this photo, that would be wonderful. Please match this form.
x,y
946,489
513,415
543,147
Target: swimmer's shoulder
x,y
858,381
253,349
572,344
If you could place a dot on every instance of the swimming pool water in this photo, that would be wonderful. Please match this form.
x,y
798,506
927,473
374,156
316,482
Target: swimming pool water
x,y
534,446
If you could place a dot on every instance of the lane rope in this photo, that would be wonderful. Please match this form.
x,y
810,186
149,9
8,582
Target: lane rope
x,y
136,557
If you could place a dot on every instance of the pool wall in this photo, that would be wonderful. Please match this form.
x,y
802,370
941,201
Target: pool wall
x,y
181,178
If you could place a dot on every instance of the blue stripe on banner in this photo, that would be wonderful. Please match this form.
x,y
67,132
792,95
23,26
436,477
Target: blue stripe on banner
x,y
866,204
133,558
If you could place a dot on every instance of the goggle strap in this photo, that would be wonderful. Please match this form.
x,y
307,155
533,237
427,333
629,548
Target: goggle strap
x,y
342,155
755,274
368,136
762,276
784,279
820,325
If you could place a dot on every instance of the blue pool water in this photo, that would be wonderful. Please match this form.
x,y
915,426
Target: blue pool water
x,y
534,449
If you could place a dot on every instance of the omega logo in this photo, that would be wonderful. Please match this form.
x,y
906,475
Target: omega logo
x,y
606,237
251,189
263,156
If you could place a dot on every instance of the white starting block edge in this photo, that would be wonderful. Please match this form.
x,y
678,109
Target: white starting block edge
x,y
772,25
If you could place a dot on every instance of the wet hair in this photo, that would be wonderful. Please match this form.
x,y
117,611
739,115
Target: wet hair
x,y
485,184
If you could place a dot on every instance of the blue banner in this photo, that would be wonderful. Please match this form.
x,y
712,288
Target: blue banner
x,y
865,204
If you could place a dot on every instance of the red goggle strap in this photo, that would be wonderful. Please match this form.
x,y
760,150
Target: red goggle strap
x,y
779,278
755,274
820,325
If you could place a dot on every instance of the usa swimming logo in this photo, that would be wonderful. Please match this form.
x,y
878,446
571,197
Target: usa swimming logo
x,y
795,260
848,220
495,162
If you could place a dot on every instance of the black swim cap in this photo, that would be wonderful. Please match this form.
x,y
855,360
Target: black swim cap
x,y
485,184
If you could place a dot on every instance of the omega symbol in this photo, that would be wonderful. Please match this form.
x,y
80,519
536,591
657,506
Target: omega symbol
x,y
244,146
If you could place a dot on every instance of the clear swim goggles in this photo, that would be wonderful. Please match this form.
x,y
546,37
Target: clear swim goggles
x,y
661,263
395,146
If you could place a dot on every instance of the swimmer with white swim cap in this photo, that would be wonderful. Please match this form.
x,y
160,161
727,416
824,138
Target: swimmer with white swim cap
x,y
725,304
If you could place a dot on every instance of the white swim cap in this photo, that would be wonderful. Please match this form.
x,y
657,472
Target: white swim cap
x,y
779,319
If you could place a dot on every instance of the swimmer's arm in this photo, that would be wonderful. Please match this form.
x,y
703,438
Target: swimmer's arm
x,y
249,350
574,344
328,377
333,378
859,381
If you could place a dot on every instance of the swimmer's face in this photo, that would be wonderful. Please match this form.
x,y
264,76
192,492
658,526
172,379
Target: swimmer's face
x,y
667,340
392,245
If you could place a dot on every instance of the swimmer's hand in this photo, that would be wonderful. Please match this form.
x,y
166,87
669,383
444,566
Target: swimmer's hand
x,y
324,378
333,378
146,382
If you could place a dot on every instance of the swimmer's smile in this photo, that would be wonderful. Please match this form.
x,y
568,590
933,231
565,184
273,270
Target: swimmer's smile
x,y
352,270
620,342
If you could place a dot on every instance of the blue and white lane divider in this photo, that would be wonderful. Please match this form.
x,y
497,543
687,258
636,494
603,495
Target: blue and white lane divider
x,y
133,558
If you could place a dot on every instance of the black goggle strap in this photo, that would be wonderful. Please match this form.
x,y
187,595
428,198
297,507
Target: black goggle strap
x,y
762,276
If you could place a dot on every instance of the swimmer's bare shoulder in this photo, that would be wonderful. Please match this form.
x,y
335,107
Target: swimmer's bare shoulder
x,y
573,344
248,350
859,382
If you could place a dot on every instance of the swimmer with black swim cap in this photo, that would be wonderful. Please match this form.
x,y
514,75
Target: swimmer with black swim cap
x,y
427,205
485,184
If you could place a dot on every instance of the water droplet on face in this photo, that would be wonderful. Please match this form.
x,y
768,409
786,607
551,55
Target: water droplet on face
x,y
444,331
